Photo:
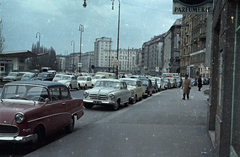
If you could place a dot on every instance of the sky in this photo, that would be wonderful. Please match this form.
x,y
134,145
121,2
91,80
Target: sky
x,y
57,22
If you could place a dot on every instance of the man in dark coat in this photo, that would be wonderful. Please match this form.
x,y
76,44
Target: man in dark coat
x,y
186,86
199,83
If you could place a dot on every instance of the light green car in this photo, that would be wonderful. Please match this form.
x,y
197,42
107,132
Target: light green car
x,y
135,87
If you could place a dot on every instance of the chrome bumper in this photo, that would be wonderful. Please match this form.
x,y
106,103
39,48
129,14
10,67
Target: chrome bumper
x,y
19,139
99,102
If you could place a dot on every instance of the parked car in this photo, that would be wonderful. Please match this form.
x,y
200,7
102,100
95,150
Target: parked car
x,y
31,110
84,82
29,76
58,77
96,77
136,89
70,81
2,74
155,85
160,83
193,81
147,83
167,84
44,76
173,82
179,81
110,92
13,76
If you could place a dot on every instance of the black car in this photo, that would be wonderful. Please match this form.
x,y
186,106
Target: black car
x,y
155,85
44,76
147,83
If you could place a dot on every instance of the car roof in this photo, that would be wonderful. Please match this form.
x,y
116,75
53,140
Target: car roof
x,y
41,83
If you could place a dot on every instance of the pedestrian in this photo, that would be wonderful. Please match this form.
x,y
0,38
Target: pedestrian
x,y
199,83
186,86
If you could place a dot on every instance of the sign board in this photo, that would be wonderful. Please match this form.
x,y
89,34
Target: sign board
x,y
115,62
192,6
157,69
79,65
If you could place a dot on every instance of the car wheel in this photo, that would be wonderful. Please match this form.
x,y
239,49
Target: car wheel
x,y
70,126
135,100
79,87
38,137
88,106
140,99
70,87
126,104
85,87
116,106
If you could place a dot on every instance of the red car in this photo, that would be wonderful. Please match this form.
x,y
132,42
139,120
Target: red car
x,y
31,110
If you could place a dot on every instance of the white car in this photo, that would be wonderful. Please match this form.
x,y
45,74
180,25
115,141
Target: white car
x,y
70,81
57,77
96,77
84,82
13,76
160,83
108,92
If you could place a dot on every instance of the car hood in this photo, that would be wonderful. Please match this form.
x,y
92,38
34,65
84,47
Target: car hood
x,y
9,77
131,87
81,81
8,109
102,90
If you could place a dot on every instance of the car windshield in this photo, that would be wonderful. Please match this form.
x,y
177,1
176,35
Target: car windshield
x,y
42,75
82,78
130,82
107,84
66,78
96,77
12,74
24,92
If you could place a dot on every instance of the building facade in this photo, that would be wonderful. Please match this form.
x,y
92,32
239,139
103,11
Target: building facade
x,y
171,48
87,61
152,56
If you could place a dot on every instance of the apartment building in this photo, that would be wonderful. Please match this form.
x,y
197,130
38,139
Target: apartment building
x,y
87,61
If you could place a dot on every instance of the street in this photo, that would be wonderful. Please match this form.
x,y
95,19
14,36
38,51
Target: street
x,y
161,125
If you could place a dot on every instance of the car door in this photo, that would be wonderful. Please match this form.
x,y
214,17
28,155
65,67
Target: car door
x,y
125,92
74,82
58,107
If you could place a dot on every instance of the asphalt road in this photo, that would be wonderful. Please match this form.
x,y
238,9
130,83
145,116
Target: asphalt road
x,y
162,125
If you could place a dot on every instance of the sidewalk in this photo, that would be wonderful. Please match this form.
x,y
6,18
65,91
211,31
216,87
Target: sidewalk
x,y
184,122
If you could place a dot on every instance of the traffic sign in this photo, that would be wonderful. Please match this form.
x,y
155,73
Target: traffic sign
x,y
115,62
80,65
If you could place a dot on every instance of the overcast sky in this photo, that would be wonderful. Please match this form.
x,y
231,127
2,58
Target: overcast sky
x,y
58,23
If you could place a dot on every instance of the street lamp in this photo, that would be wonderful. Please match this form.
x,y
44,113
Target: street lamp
x,y
73,43
81,29
39,40
118,32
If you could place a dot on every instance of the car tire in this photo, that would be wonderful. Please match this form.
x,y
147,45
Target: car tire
x,y
126,104
135,100
70,126
140,99
116,106
85,87
79,87
88,106
70,87
38,137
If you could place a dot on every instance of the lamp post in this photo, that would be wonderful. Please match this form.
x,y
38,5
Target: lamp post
x,y
81,29
39,40
118,33
73,43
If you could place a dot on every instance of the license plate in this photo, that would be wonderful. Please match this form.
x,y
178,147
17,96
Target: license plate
x,y
97,102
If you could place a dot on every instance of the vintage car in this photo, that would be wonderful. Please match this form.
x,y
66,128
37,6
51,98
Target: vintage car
x,y
111,92
160,83
70,81
13,76
44,76
96,77
135,87
29,76
84,82
31,110
58,77
147,83
155,85
2,74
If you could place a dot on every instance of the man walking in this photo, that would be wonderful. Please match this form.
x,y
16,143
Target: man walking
x,y
199,83
186,86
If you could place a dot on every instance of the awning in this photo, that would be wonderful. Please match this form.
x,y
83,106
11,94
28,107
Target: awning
x,y
20,54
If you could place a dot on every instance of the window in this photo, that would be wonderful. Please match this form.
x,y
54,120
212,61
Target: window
x,y
55,94
65,94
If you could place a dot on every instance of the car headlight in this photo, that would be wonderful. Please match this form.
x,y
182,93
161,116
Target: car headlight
x,y
85,94
111,96
19,117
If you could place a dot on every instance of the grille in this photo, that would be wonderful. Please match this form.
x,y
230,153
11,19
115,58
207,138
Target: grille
x,y
8,130
100,97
